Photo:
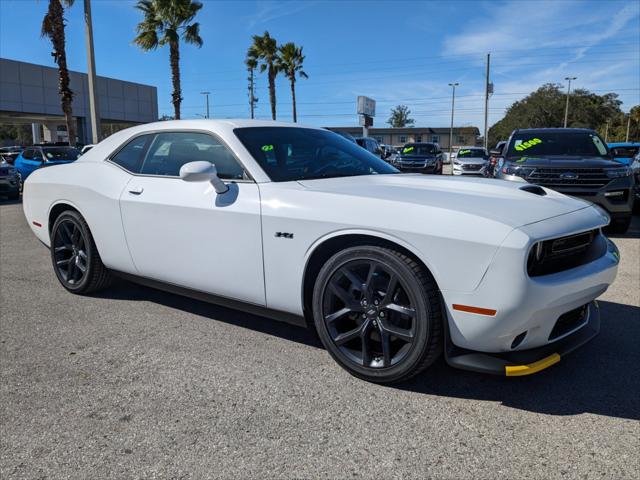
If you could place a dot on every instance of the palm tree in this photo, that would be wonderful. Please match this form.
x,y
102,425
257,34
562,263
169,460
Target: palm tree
x,y
290,60
252,63
53,28
165,22
265,50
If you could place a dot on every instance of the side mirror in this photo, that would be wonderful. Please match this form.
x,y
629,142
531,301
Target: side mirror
x,y
495,152
203,172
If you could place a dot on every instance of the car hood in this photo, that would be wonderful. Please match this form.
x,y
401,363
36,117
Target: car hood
x,y
498,200
471,160
565,162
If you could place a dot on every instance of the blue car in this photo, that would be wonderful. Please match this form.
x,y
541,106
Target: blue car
x,y
40,156
624,152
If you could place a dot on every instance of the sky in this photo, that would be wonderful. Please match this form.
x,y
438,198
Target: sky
x,y
396,52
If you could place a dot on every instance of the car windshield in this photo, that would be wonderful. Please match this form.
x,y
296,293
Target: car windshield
x,y
418,149
61,153
556,144
471,153
625,152
289,154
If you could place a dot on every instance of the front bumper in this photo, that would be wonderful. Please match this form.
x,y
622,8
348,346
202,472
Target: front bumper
x,y
525,362
9,187
523,310
460,170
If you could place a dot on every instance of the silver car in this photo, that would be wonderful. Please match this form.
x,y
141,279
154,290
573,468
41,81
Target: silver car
x,y
470,161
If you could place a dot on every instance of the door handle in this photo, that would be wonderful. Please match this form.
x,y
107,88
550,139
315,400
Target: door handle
x,y
136,190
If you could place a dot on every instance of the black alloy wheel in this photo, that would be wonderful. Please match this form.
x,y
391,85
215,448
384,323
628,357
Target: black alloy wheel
x,y
378,313
75,257
69,251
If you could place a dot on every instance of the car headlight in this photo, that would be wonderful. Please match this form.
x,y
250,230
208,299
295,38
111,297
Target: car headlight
x,y
457,163
618,172
517,170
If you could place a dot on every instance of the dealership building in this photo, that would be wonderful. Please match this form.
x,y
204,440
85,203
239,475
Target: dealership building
x,y
399,136
29,95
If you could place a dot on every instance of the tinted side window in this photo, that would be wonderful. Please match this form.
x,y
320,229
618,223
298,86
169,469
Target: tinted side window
x,y
28,154
169,151
130,157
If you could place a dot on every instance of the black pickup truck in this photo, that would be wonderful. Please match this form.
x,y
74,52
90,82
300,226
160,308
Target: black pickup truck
x,y
573,161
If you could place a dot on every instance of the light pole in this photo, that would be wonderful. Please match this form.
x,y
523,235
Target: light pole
x,y
453,104
626,138
206,94
566,108
91,75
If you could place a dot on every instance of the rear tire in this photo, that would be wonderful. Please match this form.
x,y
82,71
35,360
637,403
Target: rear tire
x,y
75,258
378,314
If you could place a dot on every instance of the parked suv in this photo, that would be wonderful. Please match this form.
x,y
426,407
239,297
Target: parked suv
x,y
420,157
370,144
573,161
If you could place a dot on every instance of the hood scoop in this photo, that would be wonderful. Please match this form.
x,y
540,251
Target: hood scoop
x,y
535,189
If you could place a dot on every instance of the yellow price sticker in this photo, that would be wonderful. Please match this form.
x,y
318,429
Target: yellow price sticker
x,y
267,148
407,150
527,144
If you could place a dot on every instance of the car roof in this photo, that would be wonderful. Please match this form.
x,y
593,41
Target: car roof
x,y
555,130
420,143
470,146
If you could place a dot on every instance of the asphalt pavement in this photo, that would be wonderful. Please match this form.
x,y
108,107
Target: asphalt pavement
x,y
136,383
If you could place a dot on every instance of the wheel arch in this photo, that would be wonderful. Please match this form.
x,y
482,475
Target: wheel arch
x,y
325,247
57,208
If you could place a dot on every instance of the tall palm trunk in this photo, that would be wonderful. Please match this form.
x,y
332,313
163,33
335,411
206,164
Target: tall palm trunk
x,y
176,96
272,90
251,94
293,98
56,17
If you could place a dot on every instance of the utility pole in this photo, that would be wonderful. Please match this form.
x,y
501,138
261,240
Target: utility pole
x,y
94,111
606,132
628,127
453,104
206,94
566,108
486,103
252,98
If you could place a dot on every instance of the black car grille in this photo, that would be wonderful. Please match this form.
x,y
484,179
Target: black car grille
x,y
4,172
472,166
559,254
561,177
569,321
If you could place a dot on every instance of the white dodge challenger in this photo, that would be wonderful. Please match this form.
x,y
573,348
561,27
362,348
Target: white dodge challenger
x,y
301,225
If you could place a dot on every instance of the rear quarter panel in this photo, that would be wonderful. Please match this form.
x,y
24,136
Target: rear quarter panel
x,y
92,188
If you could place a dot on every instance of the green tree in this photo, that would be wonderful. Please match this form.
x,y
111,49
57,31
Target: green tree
x,y
265,50
15,134
252,63
53,28
399,117
290,61
166,22
545,108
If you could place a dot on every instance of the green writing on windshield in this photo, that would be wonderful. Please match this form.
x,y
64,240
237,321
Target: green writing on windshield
x,y
267,148
462,152
527,144
407,150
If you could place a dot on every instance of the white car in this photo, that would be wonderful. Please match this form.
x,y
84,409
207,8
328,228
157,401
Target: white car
x,y
470,161
302,225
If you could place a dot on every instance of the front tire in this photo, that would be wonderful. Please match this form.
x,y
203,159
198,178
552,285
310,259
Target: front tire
x,y
377,312
75,258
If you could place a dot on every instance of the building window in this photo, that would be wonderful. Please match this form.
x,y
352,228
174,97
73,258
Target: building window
x,y
460,139
435,139
418,138
403,139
